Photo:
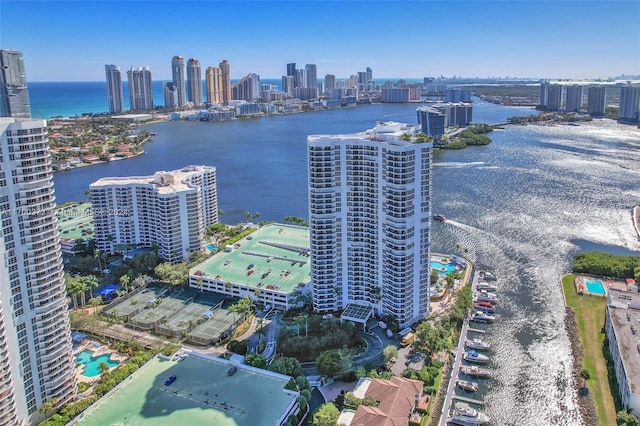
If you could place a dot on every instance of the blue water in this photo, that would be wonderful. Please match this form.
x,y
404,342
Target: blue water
x,y
595,286
211,247
92,365
438,266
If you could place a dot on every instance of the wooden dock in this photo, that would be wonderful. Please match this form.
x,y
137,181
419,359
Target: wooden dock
x,y
475,330
469,400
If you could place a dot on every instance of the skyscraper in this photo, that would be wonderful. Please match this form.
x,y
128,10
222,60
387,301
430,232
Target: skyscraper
x,y
226,82
170,209
291,71
194,81
629,101
213,80
114,89
432,121
35,337
170,95
140,89
177,71
554,97
369,215
288,83
312,76
247,88
596,100
14,95
573,101
329,82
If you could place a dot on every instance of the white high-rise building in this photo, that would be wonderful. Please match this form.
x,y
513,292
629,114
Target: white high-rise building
x,y
369,216
114,89
35,337
169,209
140,89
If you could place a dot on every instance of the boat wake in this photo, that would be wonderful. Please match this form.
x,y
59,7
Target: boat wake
x,y
458,164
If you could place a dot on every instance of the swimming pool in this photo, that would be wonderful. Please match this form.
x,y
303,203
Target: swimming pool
x,y
442,268
595,287
92,365
211,247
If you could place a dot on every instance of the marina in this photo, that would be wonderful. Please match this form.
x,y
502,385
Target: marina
x,y
465,369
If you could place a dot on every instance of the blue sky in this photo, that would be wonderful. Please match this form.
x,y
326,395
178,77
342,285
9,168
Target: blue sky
x,y
71,41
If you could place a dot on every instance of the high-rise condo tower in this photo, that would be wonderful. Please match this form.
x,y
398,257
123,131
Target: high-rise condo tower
x,y
114,89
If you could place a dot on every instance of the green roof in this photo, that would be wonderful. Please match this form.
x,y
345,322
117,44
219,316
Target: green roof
x,y
280,251
73,219
202,394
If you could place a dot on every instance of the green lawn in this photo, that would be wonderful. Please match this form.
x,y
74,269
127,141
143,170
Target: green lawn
x,y
590,312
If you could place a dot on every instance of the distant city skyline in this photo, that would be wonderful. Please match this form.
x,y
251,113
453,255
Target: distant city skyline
x,y
72,41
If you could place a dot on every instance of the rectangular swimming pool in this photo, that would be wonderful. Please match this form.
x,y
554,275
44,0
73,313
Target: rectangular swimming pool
x,y
595,287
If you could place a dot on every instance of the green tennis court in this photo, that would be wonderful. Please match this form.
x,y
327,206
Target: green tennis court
x,y
202,394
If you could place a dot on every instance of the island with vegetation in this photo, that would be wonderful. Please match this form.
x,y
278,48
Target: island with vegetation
x,y
89,140
471,136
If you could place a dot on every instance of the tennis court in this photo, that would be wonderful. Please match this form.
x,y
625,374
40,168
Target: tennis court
x,y
134,304
202,394
161,308
191,314
221,322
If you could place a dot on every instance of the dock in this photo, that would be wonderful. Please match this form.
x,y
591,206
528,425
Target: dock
x,y
469,400
475,330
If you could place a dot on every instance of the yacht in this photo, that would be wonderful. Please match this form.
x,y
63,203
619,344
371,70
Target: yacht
x,y
485,296
480,316
483,285
439,217
488,276
468,415
484,308
467,385
473,356
474,371
477,344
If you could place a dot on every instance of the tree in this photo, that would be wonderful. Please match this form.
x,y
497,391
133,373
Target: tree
x,y
389,352
124,282
434,277
49,406
248,216
255,361
73,289
260,331
625,418
242,306
104,369
333,361
300,320
327,415
287,366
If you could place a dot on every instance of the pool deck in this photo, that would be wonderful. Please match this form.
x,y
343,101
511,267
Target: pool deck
x,y
90,345
607,283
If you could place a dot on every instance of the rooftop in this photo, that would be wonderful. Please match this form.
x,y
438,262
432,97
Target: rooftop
x,y
73,220
202,393
384,131
397,398
280,251
164,182
624,310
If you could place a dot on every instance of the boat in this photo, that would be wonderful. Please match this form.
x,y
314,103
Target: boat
x,y
468,415
474,371
477,344
484,304
473,356
488,276
485,296
483,285
467,385
485,309
439,217
480,316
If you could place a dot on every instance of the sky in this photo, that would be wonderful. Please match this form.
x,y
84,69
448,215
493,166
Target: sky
x,y
72,41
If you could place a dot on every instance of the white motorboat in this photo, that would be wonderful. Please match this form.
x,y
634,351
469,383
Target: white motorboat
x,y
465,413
474,371
482,285
485,296
477,344
488,276
473,356
480,316
467,385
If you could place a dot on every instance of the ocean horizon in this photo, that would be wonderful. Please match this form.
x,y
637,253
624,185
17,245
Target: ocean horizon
x,y
72,98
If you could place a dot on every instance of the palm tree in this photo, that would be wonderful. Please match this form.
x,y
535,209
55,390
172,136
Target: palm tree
x,y
72,289
451,278
104,369
260,331
82,288
248,216
48,406
124,282
92,282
